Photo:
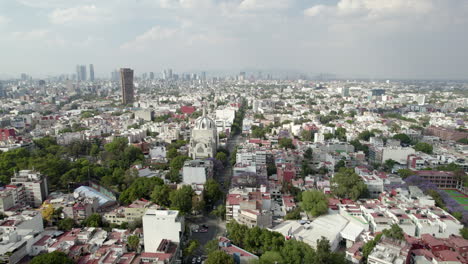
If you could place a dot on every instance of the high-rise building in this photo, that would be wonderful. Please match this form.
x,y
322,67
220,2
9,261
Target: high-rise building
x,y
151,75
203,76
345,91
91,72
81,72
126,82
35,186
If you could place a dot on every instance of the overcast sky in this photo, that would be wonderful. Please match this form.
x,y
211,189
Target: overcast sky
x,y
351,38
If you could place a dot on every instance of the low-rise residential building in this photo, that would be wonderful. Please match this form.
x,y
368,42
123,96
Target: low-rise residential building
x,y
130,213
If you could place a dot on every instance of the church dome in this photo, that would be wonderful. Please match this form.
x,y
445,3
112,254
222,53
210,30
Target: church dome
x,y
204,122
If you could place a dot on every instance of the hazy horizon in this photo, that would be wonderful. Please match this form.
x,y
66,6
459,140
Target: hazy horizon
x,y
370,39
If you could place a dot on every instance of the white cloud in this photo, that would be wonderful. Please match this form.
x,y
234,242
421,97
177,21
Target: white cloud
x,y
155,34
264,4
4,20
374,9
80,14
37,36
315,10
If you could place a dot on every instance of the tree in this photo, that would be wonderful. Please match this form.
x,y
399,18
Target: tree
x,y
191,247
404,173
394,232
423,147
294,214
307,135
219,257
464,232
161,194
360,147
308,154
271,168
55,257
340,133
178,162
47,212
221,156
404,139
323,253
369,246
220,211
365,135
94,220
347,184
140,188
212,192
340,164
211,246
286,143
297,252
388,165
314,202
133,242
271,257
66,224
182,199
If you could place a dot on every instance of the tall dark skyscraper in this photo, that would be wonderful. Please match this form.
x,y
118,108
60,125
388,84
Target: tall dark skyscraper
x,y
91,72
151,76
126,82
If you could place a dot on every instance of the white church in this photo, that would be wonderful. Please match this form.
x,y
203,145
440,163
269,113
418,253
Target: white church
x,y
204,139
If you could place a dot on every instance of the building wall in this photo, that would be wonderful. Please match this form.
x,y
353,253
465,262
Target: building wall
x,y
158,226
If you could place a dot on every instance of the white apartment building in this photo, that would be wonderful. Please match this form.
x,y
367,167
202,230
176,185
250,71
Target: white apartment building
x,y
159,225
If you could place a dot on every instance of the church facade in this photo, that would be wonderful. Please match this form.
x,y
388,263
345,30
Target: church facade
x,y
204,138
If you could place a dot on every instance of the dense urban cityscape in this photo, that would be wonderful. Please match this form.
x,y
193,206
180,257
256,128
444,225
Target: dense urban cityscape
x,y
250,168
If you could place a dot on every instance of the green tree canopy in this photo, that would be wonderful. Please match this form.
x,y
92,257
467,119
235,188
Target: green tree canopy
x,y
271,257
55,257
314,202
347,184
182,199
212,192
219,257
133,242
366,135
286,143
404,139
211,246
161,194
140,188
65,224
423,147
404,173
221,156
94,220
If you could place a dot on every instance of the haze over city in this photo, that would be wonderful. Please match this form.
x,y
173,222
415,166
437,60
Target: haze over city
x,y
403,39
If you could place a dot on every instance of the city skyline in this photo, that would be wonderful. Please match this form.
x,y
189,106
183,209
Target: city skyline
x,y
420,39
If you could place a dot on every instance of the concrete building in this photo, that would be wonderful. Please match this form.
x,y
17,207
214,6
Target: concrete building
x,y
126,82
35,184
197,171
19,232
159,225
130,213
